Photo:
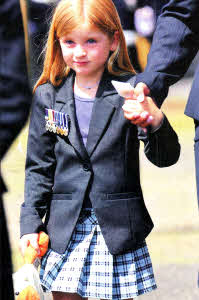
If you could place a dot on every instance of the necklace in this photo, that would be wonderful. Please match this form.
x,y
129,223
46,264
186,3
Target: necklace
x,y
88,87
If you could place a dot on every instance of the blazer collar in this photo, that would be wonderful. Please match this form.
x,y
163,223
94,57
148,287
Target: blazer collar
x,y
65,92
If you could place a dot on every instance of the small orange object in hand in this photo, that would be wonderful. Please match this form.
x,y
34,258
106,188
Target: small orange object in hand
x,y
31,254
26,280
29,293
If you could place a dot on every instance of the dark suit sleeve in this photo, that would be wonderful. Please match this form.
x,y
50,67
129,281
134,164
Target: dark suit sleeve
x,y
40,166
175,43
161,147
15,94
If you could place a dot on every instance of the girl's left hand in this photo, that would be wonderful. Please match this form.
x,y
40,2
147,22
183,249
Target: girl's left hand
x,y
29,239
142,111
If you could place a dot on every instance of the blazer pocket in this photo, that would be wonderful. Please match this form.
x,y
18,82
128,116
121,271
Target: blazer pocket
x,y
117,196
62,196
124,221
115,226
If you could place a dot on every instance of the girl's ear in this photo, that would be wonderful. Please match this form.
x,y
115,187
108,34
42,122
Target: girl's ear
x,y
115,41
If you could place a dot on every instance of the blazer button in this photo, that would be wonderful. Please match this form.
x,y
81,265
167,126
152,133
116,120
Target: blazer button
x,y
86,167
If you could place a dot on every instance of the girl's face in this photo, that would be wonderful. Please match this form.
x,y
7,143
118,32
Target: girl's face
x,y
86,50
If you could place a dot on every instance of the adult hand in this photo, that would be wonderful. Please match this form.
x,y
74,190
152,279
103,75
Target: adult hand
x,y
141,89
29,239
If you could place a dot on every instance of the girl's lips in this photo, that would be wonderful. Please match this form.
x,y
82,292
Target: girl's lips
x,y
80,62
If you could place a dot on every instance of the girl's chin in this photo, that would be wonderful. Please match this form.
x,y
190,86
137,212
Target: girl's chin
x,y
84,73
88,73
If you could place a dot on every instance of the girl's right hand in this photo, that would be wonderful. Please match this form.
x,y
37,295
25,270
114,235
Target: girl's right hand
x,y
29,239
143,112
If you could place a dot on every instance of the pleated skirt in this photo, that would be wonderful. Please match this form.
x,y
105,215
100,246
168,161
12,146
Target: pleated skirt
x,y
90,270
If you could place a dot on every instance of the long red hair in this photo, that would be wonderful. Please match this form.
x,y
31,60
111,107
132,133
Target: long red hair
x,y
68,15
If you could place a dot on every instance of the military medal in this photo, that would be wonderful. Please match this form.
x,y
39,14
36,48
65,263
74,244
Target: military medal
x,y
46,118
65,121
50,116
56,122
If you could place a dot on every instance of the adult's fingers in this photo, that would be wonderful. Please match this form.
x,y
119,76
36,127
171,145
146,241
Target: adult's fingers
x,y
141,89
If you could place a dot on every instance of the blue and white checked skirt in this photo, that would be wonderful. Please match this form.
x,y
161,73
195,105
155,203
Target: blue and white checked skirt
x,y
88,268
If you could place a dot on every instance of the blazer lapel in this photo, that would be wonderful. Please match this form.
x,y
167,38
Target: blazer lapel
x,y
104,106
65,103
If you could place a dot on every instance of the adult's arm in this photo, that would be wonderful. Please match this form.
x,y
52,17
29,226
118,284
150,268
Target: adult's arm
x,y
175,43
15,94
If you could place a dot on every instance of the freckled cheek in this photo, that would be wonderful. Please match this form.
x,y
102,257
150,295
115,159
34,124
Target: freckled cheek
x,y
67,55
99,53
104,54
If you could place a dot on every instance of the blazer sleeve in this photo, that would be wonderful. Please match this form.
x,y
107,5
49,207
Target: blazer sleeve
x,y
40,166
161,147
175,43
15,94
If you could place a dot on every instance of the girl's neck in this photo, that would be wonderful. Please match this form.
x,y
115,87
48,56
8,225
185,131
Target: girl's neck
x,y
85,88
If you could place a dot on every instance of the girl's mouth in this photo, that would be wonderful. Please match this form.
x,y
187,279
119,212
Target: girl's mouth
x,y
80,62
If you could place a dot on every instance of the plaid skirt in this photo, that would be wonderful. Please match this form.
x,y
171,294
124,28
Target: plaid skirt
x,y
90,270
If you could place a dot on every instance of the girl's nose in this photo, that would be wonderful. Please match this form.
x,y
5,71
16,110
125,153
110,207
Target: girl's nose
x,y
79,51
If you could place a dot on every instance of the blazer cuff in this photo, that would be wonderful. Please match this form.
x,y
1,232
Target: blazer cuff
x,y
158,127
30,223
162,130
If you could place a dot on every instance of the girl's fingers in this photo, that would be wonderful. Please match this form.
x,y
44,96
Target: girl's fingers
x,y
29,239
137,111
137,118
23,245
131,116
35,245
141,98
144,123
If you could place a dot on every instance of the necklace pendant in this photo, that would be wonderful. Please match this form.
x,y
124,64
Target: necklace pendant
x,y
89,87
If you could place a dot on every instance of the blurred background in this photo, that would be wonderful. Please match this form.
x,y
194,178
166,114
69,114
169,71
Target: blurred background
x,y
170,193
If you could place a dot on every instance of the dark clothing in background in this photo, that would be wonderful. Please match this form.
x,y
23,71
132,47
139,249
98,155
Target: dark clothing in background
x,y
15,99
175,44
127,16
38,27
15,95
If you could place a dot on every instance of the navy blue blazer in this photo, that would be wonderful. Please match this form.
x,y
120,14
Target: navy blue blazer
x,y
61,172
175,43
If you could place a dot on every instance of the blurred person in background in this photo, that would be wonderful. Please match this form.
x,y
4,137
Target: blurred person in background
x,y
138,18
39,10
15,100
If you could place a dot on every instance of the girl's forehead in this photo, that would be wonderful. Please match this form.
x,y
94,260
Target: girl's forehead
x,y
85,29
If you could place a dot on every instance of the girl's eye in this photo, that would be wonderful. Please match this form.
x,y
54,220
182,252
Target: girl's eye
x,y
69,42
91,41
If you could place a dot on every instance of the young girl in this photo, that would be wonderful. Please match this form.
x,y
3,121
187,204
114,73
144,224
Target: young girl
x,y
82,169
